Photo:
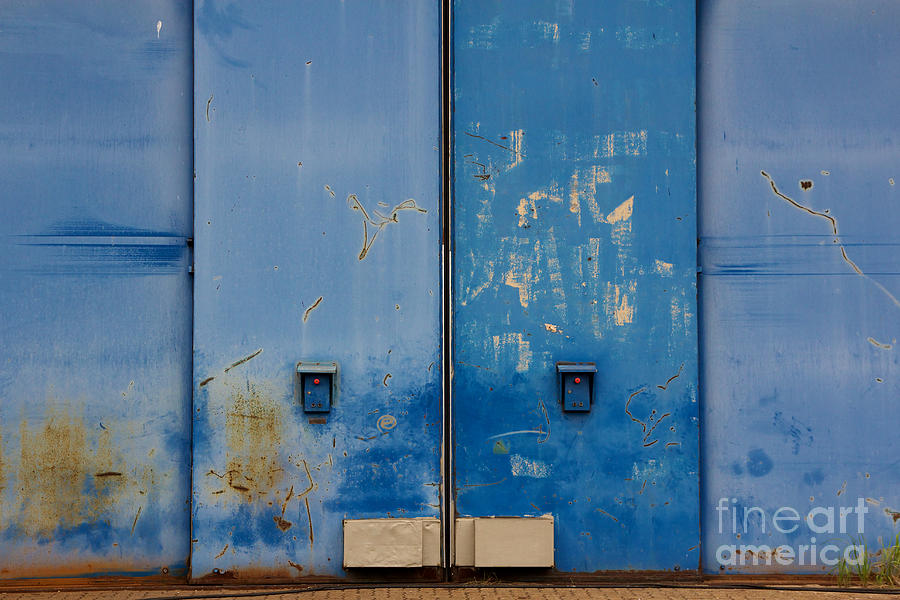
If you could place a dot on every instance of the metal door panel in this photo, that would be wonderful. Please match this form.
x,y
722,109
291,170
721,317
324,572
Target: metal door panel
x,y
310,117
574,225
799,291
95,212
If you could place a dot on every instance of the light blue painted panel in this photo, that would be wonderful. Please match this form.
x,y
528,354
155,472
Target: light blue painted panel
x,y
799,286
95,210
574,224
318,225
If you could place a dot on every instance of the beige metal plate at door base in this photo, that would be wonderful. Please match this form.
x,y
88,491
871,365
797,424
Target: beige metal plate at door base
x,y
504,542
392,543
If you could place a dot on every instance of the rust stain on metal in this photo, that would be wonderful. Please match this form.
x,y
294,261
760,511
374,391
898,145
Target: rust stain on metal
x,y
893,514
386,377
282,523
253,432
243,360
69,475
314,306
296,566
600,510
312,537
205,381
222,553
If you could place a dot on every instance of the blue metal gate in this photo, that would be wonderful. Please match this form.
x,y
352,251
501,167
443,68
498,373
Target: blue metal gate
x,y
574,200
799,251
318,203
95,216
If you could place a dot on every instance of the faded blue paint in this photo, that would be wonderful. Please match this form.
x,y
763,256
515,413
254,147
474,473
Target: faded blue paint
x,y
575,241
95,209
309,116
800,358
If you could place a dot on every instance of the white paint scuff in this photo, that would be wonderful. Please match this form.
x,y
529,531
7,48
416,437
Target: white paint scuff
x,y
524,467
158,28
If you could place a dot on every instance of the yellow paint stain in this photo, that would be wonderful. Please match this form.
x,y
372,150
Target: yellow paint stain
x,y
600,175
518,344
574,200
520,282
622,212
618,302
552,328
516,139
663,268
527,208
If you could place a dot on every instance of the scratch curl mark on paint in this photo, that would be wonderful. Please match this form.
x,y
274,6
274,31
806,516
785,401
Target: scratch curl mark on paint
x,y
385,423
134,523
601,511
381,222
384,381
672,378
843,488
312,537
519,153
314,306
834,230
472,485
222,553
547,419
243,360
205,381
208,102
878,344
628,412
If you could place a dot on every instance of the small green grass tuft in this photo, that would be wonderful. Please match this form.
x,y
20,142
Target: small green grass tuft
x,y
870,568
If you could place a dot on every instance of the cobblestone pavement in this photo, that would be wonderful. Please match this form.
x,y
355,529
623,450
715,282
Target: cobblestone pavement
x,y
446,593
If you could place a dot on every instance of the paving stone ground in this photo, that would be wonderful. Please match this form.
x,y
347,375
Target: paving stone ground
x,y
437,593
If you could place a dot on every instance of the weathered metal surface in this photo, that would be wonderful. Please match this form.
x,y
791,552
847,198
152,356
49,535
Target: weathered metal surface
x,y
798,222
95,209
575,241
318,209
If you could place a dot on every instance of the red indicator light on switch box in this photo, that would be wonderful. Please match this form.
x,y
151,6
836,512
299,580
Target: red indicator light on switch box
x,y
578,380
316,381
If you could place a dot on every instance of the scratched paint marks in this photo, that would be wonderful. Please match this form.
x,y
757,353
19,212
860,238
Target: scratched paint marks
x,y
878,344
379,221
312,307
70,474
825,214
618,302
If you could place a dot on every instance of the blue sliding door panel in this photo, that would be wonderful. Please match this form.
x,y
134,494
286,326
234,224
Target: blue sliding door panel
x,y
574,225
95,362
318,224
800,287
